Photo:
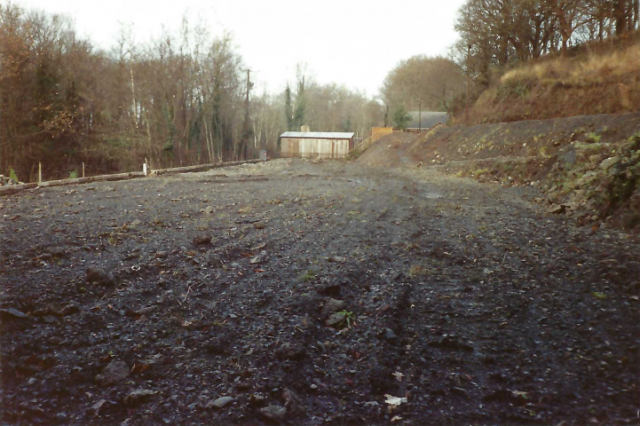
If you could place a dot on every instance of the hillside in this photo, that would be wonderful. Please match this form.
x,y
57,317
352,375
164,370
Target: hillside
x,y
598,78
587,167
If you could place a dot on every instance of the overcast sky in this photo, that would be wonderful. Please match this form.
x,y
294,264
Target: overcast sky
x,y
350,42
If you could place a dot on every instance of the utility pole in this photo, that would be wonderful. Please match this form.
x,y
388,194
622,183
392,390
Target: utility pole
x,y
466,106
242,151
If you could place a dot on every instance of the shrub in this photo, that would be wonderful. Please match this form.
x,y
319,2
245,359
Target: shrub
x,y
593,137
12,175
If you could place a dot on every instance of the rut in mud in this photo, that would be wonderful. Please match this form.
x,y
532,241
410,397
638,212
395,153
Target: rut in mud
x,y
301,293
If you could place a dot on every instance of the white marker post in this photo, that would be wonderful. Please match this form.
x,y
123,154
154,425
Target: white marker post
x,y
39,172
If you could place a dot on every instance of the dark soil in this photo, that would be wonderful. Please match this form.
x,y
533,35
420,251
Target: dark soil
x,y
146,302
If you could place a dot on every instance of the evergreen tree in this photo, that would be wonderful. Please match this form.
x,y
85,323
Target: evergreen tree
x,y
288,110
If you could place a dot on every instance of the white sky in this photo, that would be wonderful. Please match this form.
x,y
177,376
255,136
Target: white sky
x,y
350,42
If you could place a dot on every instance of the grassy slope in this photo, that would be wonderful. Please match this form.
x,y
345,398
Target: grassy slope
x,y
598,79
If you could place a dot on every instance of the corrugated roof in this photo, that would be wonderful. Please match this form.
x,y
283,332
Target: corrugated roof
x,y
318,135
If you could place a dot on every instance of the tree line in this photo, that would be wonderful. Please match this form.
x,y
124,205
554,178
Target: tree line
x,y
188,98
495,34
180,99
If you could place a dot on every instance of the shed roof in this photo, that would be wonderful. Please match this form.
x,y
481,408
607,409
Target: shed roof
x,y
318,135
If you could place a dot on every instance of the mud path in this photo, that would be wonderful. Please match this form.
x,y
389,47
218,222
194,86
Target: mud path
x,y
302,293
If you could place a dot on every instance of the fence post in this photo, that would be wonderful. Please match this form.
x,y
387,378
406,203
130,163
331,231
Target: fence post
x,y
39,172
83,169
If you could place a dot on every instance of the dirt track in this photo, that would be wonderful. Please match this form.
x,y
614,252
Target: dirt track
x,y
463,298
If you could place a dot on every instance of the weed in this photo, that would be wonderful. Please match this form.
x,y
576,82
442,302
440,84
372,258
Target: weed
x,y
593,137
634,138
73,174
349,316
12,175
310,275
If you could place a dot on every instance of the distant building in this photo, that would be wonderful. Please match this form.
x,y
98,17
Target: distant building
x,y
316,144
429,119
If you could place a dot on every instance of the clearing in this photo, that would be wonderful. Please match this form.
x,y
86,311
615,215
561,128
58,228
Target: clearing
x,y
303,293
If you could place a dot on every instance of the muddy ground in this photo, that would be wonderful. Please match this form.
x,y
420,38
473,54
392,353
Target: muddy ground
x,y
300,293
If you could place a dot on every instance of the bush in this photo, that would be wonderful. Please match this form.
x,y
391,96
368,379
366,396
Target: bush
x,y
12,175
401,118
593,137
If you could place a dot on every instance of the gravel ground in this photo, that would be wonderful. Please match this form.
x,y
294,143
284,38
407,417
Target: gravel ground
x,y
312,293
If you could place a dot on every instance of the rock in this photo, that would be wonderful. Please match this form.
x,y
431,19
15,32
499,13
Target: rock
x,y
606,164
335,319
100,276
569,156
220,402
259,258
12,313
213,259
162,254
201,240
135,224
259,225
274,412
293,352
257,399
208,210
331,306
336,259
291,401
389,334
68,309
138,396
115,372
557,208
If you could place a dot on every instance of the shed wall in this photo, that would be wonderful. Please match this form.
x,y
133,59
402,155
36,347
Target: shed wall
x,y
311,148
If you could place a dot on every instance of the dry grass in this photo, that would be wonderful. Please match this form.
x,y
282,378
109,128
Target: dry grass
x,y
578,72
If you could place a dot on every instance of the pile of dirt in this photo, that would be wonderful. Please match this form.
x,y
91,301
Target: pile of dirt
x,y
552,155
307,294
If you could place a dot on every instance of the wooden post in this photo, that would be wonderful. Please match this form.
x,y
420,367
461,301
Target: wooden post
x,y
39,172
83,169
